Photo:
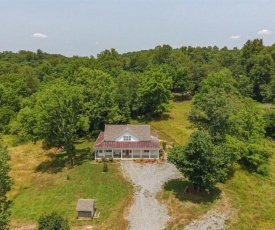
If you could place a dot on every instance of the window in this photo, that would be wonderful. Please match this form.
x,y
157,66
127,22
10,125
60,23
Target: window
x,y
126,138
146,151
108,151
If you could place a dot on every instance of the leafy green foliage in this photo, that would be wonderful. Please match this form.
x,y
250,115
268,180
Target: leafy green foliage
x,y
5,186
105,167
56,117
202,162
231,119
154,91
53,221
99,97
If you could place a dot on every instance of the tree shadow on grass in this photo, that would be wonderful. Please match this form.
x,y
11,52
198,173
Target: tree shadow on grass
x,y
178,97
178,187
58,161
53,165
147,118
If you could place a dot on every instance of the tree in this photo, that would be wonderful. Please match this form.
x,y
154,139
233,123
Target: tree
x,y
213,105
59,114
5,186
99,97
202,162
110,62
154,91
232,120
53,221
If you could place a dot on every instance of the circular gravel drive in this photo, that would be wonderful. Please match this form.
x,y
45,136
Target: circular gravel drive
x,y
147,212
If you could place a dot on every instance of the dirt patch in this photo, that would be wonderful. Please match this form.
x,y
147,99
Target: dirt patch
x,y
25,227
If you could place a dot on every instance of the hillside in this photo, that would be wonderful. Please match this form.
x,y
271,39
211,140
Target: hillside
x,y
43,183
248,199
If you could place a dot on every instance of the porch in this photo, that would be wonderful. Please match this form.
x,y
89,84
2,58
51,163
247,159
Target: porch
x,y
125,154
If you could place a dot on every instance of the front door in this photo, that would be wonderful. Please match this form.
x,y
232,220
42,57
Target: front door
x,y
127,153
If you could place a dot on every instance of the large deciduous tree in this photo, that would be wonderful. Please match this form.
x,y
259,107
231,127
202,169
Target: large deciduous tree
x,y
5,186
231,119
99,97
57,116
154,91
202,162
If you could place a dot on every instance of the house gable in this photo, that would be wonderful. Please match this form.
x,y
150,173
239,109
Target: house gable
x,y
141,132
127,136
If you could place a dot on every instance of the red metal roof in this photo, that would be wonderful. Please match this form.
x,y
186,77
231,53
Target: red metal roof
x,y
101,144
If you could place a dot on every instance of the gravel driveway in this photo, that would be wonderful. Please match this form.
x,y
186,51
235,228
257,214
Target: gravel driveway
x,y
146,212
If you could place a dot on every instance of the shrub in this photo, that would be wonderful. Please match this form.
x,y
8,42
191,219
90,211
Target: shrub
x,y
104,159
99,160
105,167
53,221
91,154
111,159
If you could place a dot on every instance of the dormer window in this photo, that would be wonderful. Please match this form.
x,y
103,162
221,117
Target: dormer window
x,y
127,138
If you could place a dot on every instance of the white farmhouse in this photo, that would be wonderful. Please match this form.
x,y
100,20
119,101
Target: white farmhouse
x,y
127,142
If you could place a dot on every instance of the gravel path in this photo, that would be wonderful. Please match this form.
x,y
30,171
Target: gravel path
x,y
210,221
146,212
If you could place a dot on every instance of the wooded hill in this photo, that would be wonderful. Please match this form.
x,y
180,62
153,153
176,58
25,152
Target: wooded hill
x,y
57,98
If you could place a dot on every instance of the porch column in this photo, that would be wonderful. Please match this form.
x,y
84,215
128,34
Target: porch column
x,y
95,153
132,153
121,154
149,154
112,153
141,153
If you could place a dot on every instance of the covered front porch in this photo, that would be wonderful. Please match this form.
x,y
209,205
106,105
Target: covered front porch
x,y
125,154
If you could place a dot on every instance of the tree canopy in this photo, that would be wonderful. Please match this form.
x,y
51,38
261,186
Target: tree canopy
x,y
5,186
115,88
201,161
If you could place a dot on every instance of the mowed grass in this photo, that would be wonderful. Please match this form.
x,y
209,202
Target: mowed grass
x,y
43,183
247,199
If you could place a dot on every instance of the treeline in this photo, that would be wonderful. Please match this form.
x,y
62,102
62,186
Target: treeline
x,y
113,87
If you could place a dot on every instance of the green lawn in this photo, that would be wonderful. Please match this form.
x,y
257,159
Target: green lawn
x,y
248,199
174,127
45,184
41,185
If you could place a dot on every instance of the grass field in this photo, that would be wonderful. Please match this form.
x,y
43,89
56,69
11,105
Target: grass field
x,y
174,127
248,199
43,183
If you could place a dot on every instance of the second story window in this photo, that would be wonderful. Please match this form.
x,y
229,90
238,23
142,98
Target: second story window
x,y
126,138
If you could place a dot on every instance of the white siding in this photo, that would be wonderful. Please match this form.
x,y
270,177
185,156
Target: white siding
x,y
133,138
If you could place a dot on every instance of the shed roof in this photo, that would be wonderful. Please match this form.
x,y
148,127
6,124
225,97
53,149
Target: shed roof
x,y
85,205
142,132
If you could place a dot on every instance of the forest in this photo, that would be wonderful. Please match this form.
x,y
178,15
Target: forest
x,y
59,99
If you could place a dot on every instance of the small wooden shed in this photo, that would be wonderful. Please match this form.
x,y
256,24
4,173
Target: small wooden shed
x,y
85,208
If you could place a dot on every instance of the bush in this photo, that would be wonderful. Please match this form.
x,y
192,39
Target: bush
x,y
91,154
104,159
111,159
53,221
105,167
